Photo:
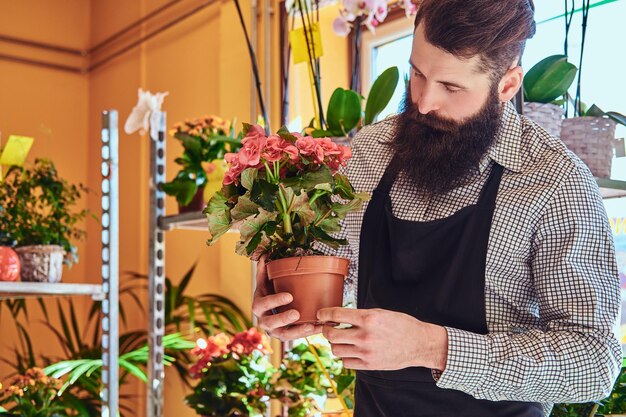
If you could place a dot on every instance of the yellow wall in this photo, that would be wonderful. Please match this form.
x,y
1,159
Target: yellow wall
x,y
203,63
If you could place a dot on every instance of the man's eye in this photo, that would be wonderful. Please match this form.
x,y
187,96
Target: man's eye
x,y
452,89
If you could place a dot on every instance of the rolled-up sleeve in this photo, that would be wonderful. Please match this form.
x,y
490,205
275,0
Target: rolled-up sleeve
x,y
575,355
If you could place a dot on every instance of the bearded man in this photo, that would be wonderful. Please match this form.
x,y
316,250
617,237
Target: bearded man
x,y
483,268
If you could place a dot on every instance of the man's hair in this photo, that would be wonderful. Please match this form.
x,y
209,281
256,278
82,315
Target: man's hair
x,y
495,30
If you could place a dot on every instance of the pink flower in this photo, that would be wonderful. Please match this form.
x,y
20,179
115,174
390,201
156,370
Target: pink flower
x,y
341,26
311,148
235,170
253,144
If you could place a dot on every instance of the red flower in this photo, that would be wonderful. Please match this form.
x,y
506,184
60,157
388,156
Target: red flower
x,y
311,147
245,343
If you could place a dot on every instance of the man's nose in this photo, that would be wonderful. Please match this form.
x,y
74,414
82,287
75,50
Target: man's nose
x,y
427,101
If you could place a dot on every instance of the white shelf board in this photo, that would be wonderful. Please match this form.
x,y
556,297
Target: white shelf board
x,y
40,289
190,221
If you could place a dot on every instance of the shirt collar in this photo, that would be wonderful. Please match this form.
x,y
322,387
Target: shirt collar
x,y
506,149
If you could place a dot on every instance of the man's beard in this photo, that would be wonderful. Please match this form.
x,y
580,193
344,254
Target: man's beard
x,y
438,154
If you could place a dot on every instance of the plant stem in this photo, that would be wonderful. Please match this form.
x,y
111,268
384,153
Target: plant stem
x,y
286,213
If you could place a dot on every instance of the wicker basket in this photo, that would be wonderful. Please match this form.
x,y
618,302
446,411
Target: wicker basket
x,y
591,138
549,116
41,263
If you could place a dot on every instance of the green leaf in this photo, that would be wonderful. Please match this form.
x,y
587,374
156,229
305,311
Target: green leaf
x,y
252,225
326,239
300,206
244,208
341,210
380,94
331,225
192,144
344,110
182,188
268,229
549,79
134,370
248,176
284,133
264,194
310,180
218,216
319,133
343,188
594,111
618,117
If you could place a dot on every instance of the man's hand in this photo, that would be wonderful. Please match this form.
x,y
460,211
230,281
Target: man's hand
x,y
384,340
277,325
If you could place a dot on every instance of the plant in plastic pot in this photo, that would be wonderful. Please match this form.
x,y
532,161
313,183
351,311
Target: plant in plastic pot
x,y
33,394
286,196
205,141
544,86
38,215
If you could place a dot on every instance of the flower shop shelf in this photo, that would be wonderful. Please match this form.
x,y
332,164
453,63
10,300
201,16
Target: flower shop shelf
x,y
190,221
39,289
611,188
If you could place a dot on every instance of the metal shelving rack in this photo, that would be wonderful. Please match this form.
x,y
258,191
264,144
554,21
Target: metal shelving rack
x,y
107,292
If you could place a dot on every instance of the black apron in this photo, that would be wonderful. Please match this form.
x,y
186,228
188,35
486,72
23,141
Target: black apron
x,y
435,272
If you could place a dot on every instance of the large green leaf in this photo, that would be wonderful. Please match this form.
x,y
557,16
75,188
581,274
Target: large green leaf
x,y
252,225
549,79
182,188
618,117
218,216
192,144
301,207
310,180
342,209
248,176
264,194
344,110
244,208
380,94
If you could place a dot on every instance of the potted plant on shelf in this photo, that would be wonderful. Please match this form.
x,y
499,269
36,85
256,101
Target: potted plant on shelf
x,y
205,141
37,216
280,191
544,84
345,114
233,375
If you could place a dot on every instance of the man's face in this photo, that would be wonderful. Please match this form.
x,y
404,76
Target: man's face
x,y
443,135
444,86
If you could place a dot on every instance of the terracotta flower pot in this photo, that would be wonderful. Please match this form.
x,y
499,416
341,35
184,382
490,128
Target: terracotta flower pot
x,y
196,204
315,282
9,264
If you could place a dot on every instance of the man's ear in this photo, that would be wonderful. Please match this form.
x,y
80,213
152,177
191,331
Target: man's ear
x,y
510,84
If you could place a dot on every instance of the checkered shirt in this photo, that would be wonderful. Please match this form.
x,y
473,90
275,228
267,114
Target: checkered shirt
x,y
551,283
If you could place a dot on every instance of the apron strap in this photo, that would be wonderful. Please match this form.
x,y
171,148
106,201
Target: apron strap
x,y
490,189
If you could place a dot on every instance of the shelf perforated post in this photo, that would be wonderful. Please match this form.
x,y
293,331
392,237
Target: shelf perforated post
x,y
156,371
110,264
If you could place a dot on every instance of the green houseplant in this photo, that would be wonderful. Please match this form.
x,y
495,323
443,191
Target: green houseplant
x,y
33,394
544,86
38,217
205,141
280,192
345,113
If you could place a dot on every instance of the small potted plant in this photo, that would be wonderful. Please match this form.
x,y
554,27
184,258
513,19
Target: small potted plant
x,y
33,394
283,193
545,85
233,375
37,216
205,141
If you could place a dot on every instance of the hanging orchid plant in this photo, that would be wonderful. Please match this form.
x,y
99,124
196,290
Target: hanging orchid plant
x,y
370,12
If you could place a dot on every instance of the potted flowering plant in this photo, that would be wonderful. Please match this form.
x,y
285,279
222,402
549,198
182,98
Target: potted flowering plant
x,y
282,192
33,394
233,375
205,141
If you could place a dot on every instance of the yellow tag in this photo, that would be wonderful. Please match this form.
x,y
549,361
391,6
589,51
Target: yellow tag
x,y
298,44
16,150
